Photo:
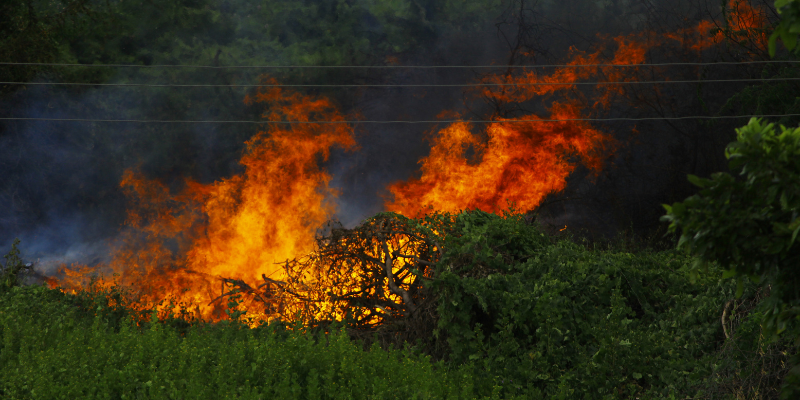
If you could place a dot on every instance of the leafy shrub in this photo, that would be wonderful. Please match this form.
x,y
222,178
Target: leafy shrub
x,y
749,225
556,321
520,314
51,350
789,26
749,365
11,273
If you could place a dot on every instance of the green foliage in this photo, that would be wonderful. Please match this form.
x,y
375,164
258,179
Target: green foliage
x,y
749,224
769,98
521,315
553,320
50,351
10,273
749,364
34,32
789,26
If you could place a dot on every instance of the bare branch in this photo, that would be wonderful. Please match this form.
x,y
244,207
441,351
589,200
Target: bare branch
x,y
392,286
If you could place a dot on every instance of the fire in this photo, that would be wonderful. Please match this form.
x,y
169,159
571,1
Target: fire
x,y
183,245
523,162
372,273
198,244
743,23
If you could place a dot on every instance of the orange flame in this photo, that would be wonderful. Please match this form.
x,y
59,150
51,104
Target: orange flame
x,y
188,244
743,23
181,245
523,162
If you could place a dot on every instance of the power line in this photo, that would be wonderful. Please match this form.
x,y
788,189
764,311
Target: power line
x,y
398,66
404,84
397,122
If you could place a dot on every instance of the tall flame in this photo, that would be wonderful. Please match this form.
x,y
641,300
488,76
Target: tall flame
x,y
194,243
521,162
181,245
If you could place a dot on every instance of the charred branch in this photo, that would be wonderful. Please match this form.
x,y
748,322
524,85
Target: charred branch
x,y
392,285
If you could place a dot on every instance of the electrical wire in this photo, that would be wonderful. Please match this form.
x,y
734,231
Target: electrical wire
x,y
404,84
396,85
399,66
355,122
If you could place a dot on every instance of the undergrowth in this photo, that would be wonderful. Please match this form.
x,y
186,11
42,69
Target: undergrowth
x,y
51,348
521,315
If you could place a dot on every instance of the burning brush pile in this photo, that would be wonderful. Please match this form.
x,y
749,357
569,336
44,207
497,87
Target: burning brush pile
x,y
255,236
201,246
481,286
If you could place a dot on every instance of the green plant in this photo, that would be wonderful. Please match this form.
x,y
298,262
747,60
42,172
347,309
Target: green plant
x,y
789,26
550,319
10,274
749,224
49,349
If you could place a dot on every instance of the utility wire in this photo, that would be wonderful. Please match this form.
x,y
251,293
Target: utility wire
x,y
400,66
406,85
398,122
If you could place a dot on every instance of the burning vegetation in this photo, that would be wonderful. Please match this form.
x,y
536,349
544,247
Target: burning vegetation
x,y
185,243
256,236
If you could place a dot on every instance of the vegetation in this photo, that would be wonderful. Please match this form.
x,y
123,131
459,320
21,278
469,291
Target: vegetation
x,y
11,273
53,349
748,224
467,305
789,26
516,314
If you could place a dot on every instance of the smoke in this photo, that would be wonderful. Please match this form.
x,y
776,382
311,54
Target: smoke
x,y
60,180
60,187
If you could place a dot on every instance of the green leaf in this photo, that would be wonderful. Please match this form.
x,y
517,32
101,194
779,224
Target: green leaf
x,y
796,230
636,375
697,181
789,39
682,241
728,273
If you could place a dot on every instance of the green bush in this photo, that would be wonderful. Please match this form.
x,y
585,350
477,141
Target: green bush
x,y
11,273
749,224
52,350
553,320
789,26
520,314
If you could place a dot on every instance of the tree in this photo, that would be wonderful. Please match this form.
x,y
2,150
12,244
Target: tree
x,y
11,273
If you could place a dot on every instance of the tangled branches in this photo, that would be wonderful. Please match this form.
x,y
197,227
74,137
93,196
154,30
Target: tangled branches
x,y
371,276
